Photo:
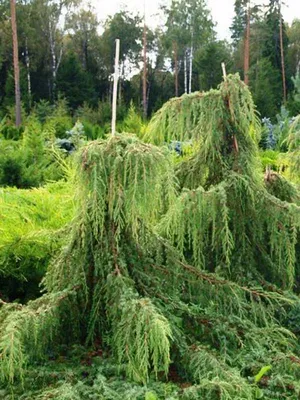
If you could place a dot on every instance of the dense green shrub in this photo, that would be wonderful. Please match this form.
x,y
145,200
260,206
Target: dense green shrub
x,y
30,224
100,115
11,132
30,161
93,132
43,109
133,122
60,120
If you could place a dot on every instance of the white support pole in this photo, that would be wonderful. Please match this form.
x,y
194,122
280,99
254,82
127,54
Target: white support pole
x,y
224,70
115,90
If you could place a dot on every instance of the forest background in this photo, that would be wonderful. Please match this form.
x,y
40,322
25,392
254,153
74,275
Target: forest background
x,y
62,42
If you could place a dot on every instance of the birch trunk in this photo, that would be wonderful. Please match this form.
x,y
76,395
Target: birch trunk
x,y
27,61
191,63
53,59
176,67
16,62
185,71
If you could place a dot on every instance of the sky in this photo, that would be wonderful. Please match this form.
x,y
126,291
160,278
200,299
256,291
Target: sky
x,y
222,11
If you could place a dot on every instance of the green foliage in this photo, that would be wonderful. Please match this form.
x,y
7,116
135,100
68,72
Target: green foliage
x,y
204,209
93,132
141,335
185,118
127,26
133,122
265,82
42,110
215,379
280,187
206,221
74,83
271,159
11,165
30,235
84,376
31,161
11,113
207,63
188,280
296,82
97,120
59,121
239,21
24,326
10,131
124,176
294,147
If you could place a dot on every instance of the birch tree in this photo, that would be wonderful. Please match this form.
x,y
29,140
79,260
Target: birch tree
x,y
16,62
49,15
189,27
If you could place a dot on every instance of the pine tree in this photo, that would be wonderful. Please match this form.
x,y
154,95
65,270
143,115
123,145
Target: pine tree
x,y
75,83
276,41
239,21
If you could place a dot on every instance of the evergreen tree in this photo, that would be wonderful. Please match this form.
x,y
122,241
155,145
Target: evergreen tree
x,y
74,83
238,26
266,87
207,63
133,288
239,22
293,33
272,42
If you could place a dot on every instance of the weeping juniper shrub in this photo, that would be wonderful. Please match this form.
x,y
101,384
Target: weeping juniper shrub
x,y
225,220
123,185
188,274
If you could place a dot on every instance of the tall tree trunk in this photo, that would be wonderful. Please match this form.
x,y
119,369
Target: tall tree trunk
x,y
53,60
85,54
27,60
175,49
282,55
247,48
85,51
148,93
16,62
145,72
191,63
185,71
